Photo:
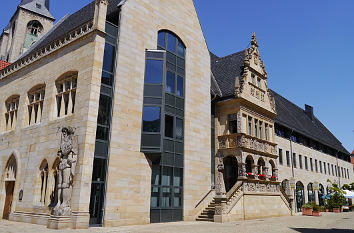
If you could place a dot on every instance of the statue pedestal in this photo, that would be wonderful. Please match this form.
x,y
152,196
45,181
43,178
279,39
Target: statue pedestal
x,y
59,222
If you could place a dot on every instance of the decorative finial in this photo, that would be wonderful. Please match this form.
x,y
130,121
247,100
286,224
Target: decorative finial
x,y
237,87
254,39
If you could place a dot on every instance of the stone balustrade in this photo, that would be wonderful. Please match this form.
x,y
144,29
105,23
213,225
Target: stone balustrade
x,y
233,141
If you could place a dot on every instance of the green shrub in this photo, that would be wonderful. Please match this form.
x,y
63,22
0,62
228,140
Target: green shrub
x,y
307,205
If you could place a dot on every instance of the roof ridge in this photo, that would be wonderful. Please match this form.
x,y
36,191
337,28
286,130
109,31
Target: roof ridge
x,y
289,101
227,56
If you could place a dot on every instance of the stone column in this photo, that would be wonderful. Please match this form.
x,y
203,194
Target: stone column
x,y
265,172
255,169
306,197
242,171
220,197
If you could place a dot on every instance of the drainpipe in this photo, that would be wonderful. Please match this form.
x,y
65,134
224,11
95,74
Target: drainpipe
x,y
291,154
292,170
338,170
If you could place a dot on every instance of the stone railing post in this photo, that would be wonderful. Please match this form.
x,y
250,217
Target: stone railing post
x,y
220,191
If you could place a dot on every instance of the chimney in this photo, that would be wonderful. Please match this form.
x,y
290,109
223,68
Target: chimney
x,y
99,21
309,111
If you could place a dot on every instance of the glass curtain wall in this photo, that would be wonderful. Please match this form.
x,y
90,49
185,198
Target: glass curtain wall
x,y
103,127
163,126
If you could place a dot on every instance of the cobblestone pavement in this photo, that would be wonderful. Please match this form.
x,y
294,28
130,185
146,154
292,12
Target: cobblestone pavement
x,y
328,223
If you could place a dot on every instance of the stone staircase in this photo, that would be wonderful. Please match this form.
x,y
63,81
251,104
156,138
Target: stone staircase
x,y
232,197
208,213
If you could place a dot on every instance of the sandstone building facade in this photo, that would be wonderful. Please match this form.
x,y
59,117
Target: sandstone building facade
x,y
156,127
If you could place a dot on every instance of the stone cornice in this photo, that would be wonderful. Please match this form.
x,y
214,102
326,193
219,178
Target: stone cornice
x,y
48,49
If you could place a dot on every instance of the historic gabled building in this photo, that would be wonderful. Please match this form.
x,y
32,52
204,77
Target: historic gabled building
x,y
120,115
31,20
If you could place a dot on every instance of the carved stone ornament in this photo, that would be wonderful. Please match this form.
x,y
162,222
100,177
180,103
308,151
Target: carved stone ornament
x,y
67,153
219,184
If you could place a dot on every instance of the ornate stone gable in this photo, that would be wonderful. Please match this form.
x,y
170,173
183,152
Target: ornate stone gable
x,y
253,84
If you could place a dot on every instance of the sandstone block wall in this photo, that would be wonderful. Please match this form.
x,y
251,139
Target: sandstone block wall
x,y
35,143
129,174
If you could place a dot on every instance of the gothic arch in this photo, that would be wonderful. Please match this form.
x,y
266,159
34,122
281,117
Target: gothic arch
x,y
10,177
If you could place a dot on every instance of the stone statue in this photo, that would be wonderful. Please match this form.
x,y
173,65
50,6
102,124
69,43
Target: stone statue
x,y
67,154
219,184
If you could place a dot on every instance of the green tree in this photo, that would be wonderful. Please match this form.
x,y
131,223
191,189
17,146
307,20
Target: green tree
x,y
337,199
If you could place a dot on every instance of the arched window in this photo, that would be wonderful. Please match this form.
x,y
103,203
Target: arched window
x,y
310,193
299,196
11,104
274,170
320,194
54,184
34,28
283,184
249,164
175,62
261,167
230,172
11,169
35,104
66,93
44,180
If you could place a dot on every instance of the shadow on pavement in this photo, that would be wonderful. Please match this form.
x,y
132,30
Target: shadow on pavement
x,y
312,230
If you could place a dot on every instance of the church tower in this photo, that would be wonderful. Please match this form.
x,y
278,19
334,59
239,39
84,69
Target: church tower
x,y
31,20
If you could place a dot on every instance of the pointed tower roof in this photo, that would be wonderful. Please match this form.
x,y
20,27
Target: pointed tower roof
x,y
40,7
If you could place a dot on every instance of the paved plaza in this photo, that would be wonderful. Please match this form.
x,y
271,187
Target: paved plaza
x,y
329,222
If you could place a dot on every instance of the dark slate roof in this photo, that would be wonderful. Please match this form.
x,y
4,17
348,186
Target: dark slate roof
x,y
226,69
294,117
73,21
43,8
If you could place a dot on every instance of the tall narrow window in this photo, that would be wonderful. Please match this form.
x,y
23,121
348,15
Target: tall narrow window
x,y
280,156
44,180
332,170
66,94
320,163
329,168
35,104
255,128
316,167
232,123
266,131
169,123
306,165
11,111
259,82
311,165
179,129
170,82
324,168
287,158
260,130
294,160
300,161
250,126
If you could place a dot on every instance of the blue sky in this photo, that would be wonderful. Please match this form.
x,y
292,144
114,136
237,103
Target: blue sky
x,y
307,47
